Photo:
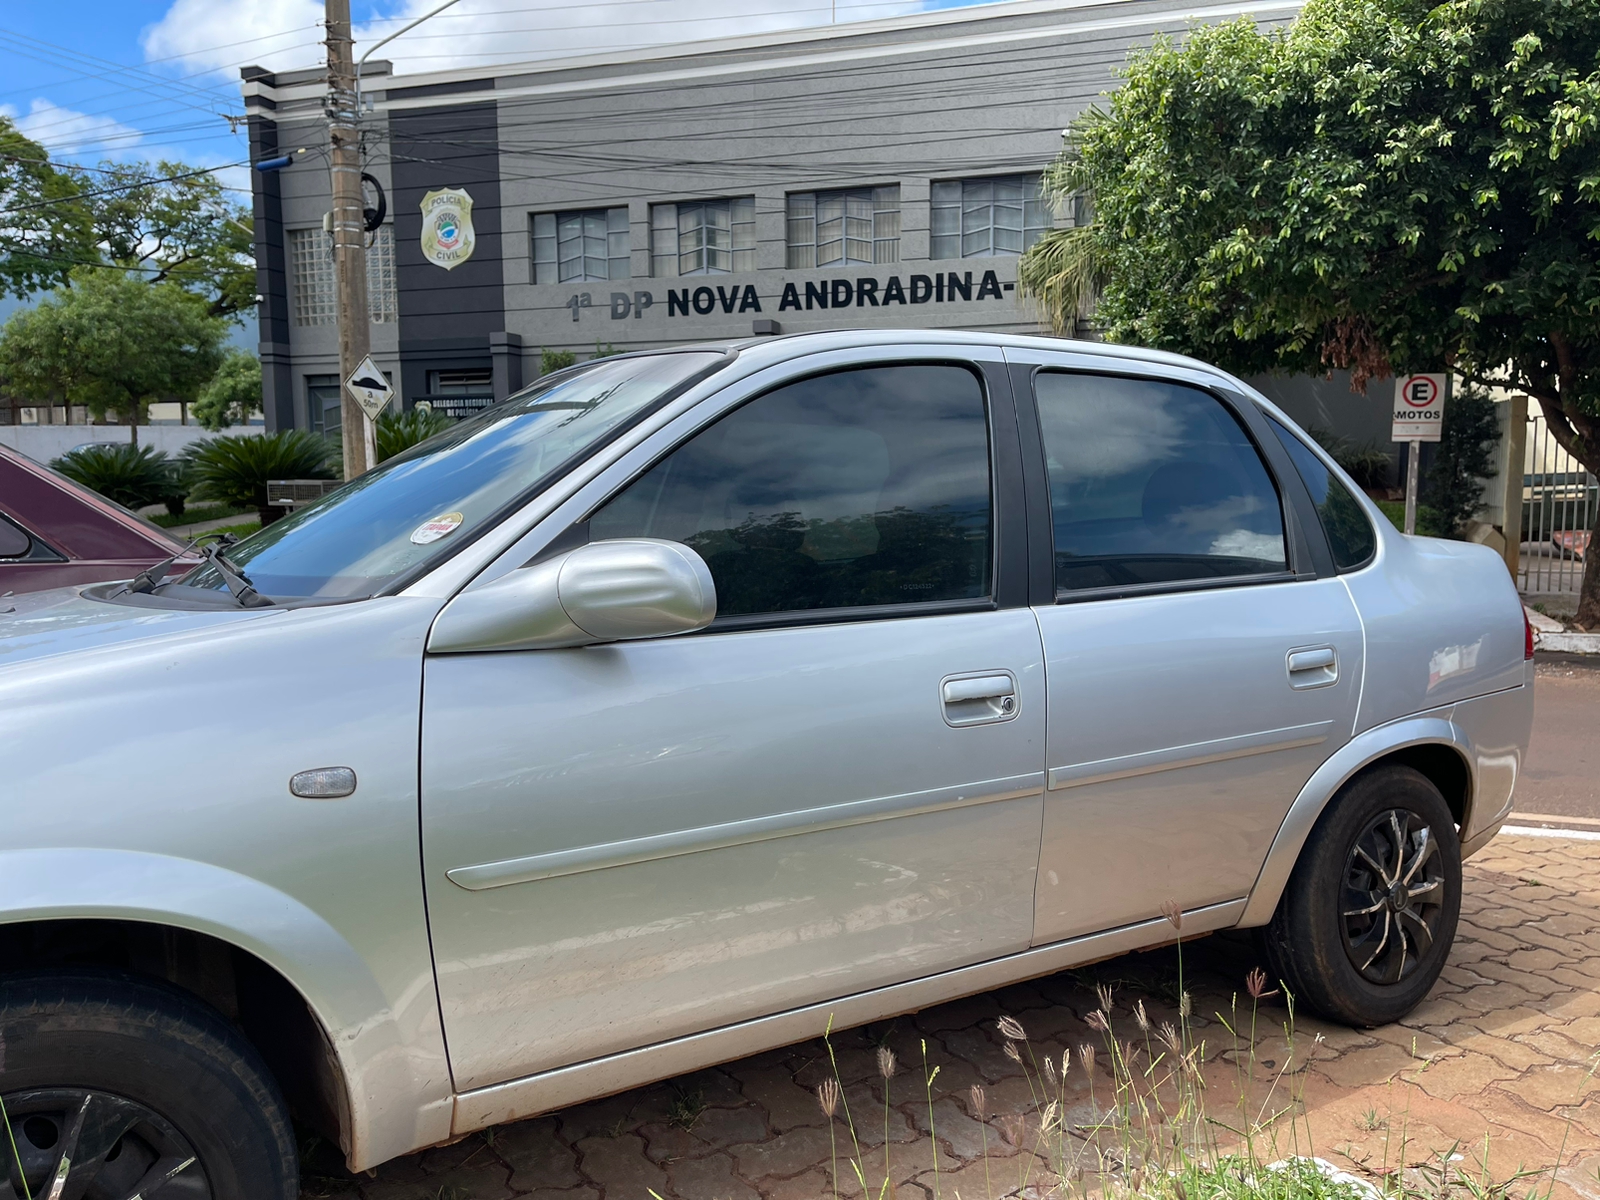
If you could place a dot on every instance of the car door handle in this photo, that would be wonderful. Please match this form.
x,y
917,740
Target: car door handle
x,y
979,699
1315,667
984,687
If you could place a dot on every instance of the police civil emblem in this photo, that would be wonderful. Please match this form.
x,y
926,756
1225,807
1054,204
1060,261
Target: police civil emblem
x,y
447,238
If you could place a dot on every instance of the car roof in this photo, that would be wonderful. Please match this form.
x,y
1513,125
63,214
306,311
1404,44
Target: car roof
x,y
74,520
778,347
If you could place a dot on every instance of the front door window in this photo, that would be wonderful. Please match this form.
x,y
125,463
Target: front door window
x,y
855,489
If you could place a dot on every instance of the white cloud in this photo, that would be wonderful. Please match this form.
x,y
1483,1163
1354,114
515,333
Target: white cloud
x,y
223,35
482,32
67,133
219,35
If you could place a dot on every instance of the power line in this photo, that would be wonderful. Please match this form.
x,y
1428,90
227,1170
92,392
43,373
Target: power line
x,y
122,188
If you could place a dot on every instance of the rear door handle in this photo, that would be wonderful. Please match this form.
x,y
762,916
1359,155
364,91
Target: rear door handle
x,y
1313,667
979,699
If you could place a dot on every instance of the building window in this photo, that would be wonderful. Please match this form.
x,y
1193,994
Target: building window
x,y
461,391
979,218
311,262
706,237
460,381
854,225
322,402
581,246
315,289
382,300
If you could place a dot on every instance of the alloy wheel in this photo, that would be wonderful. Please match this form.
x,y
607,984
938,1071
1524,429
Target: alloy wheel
x,y
1393,896
85,1144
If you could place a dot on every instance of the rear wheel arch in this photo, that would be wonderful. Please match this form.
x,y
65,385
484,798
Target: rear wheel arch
x,y
1446,768
1431,745
254,997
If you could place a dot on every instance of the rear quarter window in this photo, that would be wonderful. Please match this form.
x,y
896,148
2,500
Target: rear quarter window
x,y
1350,535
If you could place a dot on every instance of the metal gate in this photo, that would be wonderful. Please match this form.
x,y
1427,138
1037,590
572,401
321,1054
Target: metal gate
x,y
1559,499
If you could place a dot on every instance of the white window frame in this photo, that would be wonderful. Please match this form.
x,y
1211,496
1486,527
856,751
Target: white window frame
x,y
703,237
844,226
581,245
979,222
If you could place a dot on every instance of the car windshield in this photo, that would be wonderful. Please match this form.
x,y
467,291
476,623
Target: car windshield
x,y
420,504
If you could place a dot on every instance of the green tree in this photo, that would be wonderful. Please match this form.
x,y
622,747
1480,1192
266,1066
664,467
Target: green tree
x,y
114,343
43,232
177,224
232,394
164,222
1386,186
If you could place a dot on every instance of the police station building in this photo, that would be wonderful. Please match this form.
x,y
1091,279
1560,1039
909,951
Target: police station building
x,y
877,174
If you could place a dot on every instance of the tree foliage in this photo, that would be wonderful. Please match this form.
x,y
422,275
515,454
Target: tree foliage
x,y
1463,460
164,222
113,343
1385,186
232,394
177,224
42,233
551,361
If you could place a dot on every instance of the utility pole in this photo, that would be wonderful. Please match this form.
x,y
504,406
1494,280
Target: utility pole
x,y
349,233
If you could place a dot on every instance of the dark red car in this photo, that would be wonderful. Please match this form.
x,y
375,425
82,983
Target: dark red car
x,y
56,533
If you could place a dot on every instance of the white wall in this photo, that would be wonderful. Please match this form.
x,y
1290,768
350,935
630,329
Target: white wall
x,y
44,442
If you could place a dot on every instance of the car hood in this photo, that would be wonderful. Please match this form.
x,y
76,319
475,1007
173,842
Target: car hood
x,y
63,621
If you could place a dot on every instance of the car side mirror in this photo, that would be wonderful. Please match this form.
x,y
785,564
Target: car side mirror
x,y
609,591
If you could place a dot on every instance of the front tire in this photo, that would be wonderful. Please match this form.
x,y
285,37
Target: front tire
x,y
126,1087
1370,911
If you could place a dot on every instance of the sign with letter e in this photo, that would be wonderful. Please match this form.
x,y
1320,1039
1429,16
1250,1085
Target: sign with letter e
x,y
1418,408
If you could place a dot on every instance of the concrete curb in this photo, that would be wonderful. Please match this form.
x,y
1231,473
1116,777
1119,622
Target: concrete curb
x,y
1576,835
1568,643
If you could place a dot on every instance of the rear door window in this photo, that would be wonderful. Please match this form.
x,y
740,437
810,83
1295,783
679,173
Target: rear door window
x,y
860,488
1153,482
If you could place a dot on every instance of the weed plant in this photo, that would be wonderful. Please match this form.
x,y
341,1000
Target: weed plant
x,y
1147,1131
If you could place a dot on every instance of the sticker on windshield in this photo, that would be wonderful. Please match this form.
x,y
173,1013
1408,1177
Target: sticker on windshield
x,y
440,526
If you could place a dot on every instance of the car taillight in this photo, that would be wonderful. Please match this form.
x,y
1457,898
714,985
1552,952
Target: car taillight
x,y
1527,643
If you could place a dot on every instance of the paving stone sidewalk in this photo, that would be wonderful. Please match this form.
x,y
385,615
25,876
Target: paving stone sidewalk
x,y
1501,1056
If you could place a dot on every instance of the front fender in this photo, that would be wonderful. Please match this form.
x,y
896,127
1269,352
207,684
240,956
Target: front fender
x,y
1427,729
380,1072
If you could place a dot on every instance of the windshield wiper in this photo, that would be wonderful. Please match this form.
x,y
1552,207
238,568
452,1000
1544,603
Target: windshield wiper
x,y
238,583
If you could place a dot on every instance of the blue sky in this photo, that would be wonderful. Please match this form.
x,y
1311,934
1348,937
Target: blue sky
x,y
153,79
95,79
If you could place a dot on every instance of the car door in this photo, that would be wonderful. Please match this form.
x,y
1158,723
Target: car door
x,y
836,786
1201,657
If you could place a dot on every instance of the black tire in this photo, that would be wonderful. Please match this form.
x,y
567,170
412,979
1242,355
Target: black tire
x,y
135,1078
1327,940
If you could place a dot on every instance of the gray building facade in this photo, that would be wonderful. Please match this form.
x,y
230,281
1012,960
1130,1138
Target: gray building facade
x,y
878,174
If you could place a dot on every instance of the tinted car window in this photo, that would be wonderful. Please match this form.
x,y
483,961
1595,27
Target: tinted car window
x,y
13,542
1153,482
863,487
1350,534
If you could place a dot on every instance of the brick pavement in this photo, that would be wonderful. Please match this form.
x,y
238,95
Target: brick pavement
x,y
1500,1055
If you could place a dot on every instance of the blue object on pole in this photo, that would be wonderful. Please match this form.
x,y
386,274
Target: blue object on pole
x,y
274,164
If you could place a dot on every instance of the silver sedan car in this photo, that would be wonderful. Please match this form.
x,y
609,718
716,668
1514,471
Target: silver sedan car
x,y
688,700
